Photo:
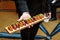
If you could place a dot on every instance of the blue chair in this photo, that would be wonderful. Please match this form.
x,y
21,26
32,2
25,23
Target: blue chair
x,y
54,32
45,31
16,35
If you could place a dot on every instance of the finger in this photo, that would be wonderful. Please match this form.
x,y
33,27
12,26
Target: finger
x,y
28,26
21,18
18,20
31,25
44,14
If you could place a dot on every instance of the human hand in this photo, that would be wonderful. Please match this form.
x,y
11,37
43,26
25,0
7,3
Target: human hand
x,y
48,15
25,16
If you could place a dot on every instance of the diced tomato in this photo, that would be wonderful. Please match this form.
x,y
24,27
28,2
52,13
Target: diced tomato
x,y
14,26
21,24
32,20
10,28
36,18
18,26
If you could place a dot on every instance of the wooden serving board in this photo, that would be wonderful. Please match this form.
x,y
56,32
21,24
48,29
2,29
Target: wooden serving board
x,y
25,23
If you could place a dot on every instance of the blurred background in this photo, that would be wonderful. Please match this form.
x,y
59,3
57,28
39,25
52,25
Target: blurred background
x,y
8,15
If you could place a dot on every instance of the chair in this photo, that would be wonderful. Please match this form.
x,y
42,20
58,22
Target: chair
x,y
54,32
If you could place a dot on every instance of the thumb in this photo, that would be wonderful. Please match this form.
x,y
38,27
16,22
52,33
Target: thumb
x,y
20,18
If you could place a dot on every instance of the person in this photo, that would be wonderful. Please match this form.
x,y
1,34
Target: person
x,y
53,10
28,9
50,9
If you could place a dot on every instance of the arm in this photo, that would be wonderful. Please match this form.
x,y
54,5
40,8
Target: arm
x,y
46,6
21,6
22,9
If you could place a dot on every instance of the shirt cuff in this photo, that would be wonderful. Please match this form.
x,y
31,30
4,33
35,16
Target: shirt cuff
x,y
25,12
